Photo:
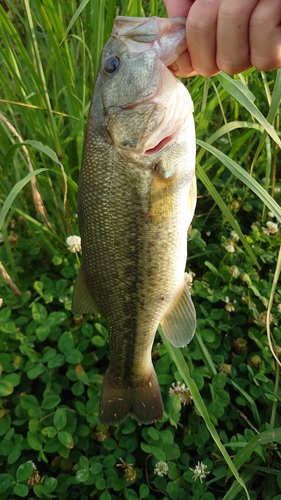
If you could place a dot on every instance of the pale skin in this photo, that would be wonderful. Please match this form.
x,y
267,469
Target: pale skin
x,y
228,35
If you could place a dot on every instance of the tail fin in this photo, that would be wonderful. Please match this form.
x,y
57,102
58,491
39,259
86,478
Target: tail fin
x,y
120,399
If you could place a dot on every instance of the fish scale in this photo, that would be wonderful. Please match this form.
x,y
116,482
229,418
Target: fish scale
x,y
137,194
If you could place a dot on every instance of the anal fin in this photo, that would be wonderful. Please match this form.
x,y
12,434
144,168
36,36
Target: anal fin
x,y
82,300
179,322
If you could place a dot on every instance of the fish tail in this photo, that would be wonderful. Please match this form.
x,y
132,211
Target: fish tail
x,y
141,400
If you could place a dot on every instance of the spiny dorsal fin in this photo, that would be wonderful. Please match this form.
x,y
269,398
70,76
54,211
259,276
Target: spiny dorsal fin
x,y
82,300
179,323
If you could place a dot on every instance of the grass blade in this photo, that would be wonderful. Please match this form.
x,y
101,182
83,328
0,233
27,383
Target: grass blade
x,y
244,454
183,370
243,176
225,210
14,193
241,93
74,18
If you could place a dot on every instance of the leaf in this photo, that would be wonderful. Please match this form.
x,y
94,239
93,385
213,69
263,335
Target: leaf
x,y
5,482
66,439
50,401
6,388
36,371
96,468
14,456
166,436
66,342
60,419
14,193
21,490
14,378
74,356
172,451
39,313
143,491
84,462
28,402
34,442
42,332
24,471
153,433
56,318
82,475
106,495
50,484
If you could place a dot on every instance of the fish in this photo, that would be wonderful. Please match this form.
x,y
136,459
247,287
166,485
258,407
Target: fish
x,y
136,200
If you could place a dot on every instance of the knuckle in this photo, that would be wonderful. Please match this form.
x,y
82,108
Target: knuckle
x,y
266,62
233,67
238,9
197,23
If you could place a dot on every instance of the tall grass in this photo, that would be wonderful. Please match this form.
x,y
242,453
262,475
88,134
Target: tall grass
x,y
49,56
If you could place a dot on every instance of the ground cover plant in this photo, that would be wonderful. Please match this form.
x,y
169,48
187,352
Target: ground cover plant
x,y
221,431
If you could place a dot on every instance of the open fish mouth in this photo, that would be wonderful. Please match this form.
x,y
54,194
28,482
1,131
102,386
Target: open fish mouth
x,y
160,145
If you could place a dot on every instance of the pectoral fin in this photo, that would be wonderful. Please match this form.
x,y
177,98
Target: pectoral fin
x,y
179,323
82,301
192,199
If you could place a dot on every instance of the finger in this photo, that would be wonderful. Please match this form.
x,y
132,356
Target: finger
x,y
201,29
182,67
177,7
233,49
265,35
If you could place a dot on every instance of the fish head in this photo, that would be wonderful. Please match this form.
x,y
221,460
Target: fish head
x,y
142,105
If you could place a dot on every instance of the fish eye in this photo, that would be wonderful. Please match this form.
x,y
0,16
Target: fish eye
x,y
111,64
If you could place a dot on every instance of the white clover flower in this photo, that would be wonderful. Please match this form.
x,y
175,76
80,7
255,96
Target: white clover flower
x,y
1,301
175,390
161,469
229,247
1,238
181,391
200,471
32,463
270,214
272,227
74,243
229,306
234,235
278,307
234,271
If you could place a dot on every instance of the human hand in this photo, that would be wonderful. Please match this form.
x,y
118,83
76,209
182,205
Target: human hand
x,y
228,35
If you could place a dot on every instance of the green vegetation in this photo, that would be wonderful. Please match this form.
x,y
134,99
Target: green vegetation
x,y
226,416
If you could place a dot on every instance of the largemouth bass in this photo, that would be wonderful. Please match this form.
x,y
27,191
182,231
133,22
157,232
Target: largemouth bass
x,y
137,195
